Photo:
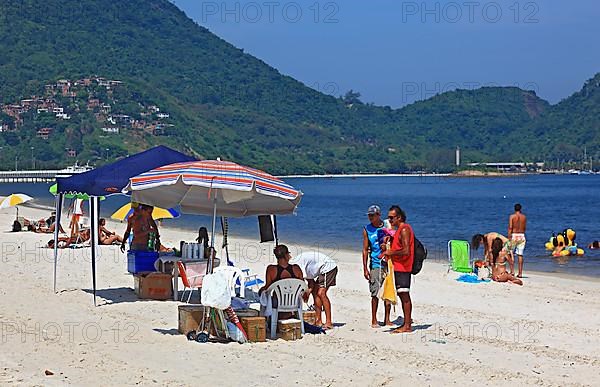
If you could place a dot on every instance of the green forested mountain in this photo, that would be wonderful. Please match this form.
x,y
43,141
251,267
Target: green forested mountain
x,y
224,102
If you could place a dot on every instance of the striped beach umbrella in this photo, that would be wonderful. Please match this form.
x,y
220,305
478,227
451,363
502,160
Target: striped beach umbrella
x,y
200,187
13,200
215,187
158,213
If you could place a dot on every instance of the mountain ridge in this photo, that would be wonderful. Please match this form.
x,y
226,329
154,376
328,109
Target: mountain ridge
x,y
230,104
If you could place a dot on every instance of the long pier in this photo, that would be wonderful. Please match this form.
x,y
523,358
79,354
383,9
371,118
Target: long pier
x,y
40,176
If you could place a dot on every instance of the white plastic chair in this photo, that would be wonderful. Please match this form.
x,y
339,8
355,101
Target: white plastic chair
x,y
289,299
234,275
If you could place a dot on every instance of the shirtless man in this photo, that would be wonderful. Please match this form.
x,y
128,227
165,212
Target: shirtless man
x,y
517,225
486,240
144,228
500,252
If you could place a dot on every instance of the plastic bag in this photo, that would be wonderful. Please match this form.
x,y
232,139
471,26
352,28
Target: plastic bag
x,y
387,292
215,290
236,333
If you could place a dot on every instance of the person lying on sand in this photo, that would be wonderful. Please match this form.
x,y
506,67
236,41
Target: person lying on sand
x,y
106,237
41,226
64,242
487,240
500,254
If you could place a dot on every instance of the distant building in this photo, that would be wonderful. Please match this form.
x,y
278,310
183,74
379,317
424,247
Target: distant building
x,y
71,153
93,103
163,115
458,156
111,130
44,133
63,116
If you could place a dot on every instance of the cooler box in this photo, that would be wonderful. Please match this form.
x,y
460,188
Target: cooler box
x,y
141,261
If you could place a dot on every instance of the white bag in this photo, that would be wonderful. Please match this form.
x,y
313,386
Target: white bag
x,y
483,273
215,290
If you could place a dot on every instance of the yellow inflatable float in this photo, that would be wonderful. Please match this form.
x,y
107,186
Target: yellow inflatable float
x,y
564,244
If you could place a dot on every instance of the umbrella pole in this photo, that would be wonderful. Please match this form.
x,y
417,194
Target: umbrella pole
x,y
212,238
58,209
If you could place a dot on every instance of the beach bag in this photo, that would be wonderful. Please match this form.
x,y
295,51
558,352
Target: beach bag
x,y
387,291
420,254
17,226
216,292
483,273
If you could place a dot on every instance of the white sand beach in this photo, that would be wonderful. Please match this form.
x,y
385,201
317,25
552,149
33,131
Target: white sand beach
x,y
544,333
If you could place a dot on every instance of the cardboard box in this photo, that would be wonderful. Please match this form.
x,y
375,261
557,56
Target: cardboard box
x,y
153,286
310,316
290,329
190,317
255,328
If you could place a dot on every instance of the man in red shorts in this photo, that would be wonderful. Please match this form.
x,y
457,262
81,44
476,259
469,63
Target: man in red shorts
x,y
402,252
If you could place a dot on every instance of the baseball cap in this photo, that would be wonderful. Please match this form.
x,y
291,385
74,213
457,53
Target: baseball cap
x,y
374,209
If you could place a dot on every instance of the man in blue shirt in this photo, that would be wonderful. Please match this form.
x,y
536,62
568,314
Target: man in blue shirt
x,y
374,269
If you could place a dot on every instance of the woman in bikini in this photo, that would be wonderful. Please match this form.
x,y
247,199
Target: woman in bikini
x,y
107,237
487,240
500,255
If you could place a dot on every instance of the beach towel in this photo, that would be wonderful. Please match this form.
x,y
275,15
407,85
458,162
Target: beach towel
x,y
387,292
470,279
266,307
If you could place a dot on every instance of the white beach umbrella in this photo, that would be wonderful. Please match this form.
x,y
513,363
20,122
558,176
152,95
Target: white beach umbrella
x,y
14,200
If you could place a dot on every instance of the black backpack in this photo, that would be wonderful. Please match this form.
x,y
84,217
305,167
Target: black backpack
x,y
419,256
16,226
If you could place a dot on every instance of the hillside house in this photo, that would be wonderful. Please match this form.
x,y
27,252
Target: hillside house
x,y
163,115
44,133
63,116
71,153
111,130
14,110
93,103
84,82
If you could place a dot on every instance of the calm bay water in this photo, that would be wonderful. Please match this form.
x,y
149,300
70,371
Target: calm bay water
x,y
332,212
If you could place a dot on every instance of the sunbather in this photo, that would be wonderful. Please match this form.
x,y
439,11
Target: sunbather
x,y
64,242
106,237
500,254
282,270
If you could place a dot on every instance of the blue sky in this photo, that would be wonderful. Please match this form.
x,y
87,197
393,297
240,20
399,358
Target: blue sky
x,y
396,52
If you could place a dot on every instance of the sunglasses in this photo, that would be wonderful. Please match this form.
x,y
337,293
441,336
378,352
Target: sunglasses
x,y
392,217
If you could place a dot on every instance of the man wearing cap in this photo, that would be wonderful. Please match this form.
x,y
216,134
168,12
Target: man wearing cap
x,y
374,269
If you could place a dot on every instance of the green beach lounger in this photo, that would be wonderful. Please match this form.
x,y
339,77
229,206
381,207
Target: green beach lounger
x,y
459,255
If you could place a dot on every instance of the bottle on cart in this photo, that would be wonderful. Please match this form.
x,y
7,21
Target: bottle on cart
x,y
151,241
